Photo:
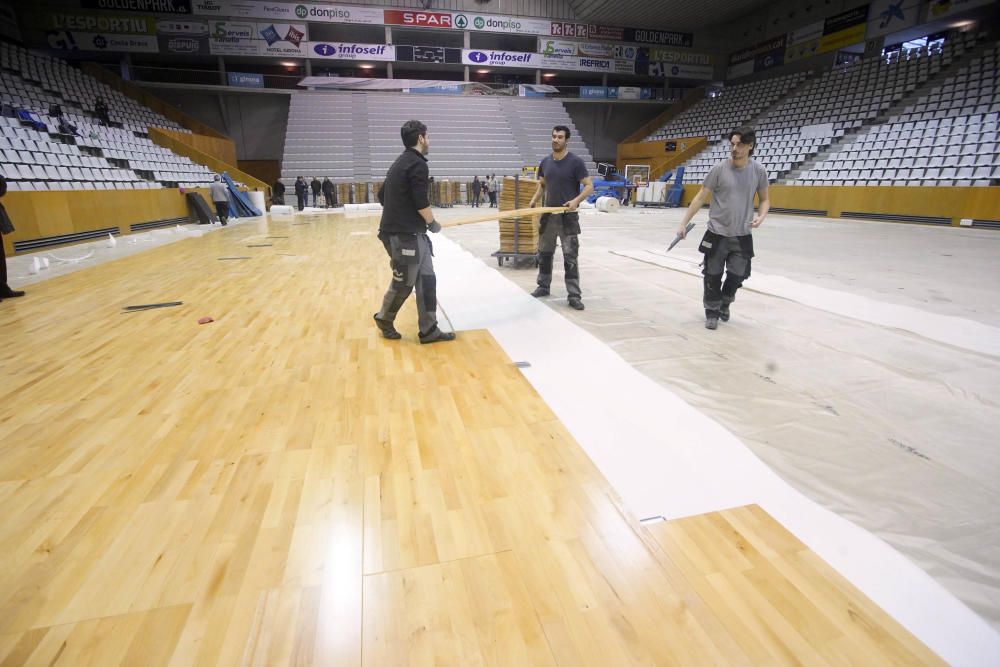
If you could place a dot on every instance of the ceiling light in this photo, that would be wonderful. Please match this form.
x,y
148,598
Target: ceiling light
x,y
289,63
482,71
548,74
366,66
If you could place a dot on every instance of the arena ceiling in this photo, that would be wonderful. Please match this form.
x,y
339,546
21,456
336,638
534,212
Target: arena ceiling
x,y
664,14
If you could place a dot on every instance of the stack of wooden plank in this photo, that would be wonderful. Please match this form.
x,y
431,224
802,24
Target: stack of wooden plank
x,y
525,227
343,193
360,193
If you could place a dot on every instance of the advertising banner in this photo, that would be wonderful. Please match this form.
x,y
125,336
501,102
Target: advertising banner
x,y
556,47
282,39
95,23
663,55
490,58
566,29
660,37
156,6
233,38
418,19
286,11
183,37
351,51
888,16
511,25
245,79
844,29
593,92
941,8
767,46
673,70
94,41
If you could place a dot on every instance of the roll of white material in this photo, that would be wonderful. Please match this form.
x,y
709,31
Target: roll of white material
x,y
257,199
278,209
608,204
363,207
586,204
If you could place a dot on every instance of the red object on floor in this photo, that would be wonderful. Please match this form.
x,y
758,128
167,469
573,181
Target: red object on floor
x,y
205,320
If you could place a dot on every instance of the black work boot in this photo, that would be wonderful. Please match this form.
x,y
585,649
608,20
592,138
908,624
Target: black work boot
x,y
387,329
724,312
540,291
435,335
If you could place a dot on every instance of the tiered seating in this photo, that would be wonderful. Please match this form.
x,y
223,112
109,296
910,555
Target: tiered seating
x,y
320,137
777,152
948,137
98,157
355,136
841,101
469,136
532,121
714,116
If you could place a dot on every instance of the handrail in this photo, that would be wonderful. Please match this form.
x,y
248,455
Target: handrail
x,y
162,138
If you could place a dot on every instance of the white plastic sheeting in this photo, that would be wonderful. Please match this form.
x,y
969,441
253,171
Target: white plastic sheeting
x,y
621,417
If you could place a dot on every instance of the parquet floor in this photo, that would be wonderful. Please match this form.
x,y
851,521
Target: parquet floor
x,y
282,486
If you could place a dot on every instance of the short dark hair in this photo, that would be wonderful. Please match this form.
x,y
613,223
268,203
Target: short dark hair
x,y
747,135
563,128
410,131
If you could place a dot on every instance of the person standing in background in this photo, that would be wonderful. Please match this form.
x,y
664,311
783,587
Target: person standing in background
x,y
477,190
301,191
494,189
329,192
220,197
278,193
6,227
317,187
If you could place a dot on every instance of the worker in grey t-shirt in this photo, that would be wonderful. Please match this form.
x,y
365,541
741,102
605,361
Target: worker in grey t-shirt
x,y
561,175
220,198
728,243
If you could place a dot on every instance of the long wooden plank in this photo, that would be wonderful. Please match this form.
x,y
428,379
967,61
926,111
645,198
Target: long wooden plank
x,y
502,215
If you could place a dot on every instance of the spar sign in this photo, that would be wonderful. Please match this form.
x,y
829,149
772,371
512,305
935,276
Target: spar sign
x,y
418,19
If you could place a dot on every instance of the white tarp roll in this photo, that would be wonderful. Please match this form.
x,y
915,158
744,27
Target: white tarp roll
x,y
257,199
608,204
279,209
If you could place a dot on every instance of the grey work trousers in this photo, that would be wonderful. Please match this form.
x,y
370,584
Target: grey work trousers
x,y
553,228
411,260
727,257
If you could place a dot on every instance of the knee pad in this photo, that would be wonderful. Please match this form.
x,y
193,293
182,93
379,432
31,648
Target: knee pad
x,y
732,284
713,281
428,289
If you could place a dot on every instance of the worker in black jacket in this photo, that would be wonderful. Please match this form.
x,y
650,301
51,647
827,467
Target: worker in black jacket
x,y
301,192
317,187
329,192
278,193
406,218
6,227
